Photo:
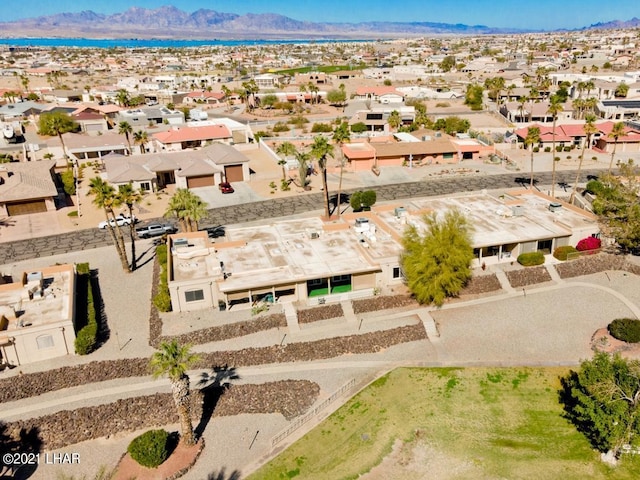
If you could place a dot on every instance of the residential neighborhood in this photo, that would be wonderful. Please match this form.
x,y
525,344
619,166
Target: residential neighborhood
x,y
297,220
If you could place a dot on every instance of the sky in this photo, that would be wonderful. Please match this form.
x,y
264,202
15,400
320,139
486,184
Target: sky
x,y
537,14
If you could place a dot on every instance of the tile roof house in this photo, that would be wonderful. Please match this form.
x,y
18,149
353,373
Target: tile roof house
x,y
211,98
208,166
27,187
178,139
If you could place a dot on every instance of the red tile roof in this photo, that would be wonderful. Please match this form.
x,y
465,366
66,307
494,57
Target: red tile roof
x,y
190,134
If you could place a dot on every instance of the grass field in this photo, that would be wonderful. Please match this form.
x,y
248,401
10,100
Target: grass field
x,y
474,423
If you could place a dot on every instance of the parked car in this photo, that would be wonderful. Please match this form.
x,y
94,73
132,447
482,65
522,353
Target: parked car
x,y
155,230
225,187
120,220
215,232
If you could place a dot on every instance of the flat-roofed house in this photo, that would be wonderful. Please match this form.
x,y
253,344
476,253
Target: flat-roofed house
x,y
37,315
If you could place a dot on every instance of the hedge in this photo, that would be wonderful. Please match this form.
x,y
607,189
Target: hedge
x,y
150,448
162,300
87,336
625,329
530,259
561,253
589,243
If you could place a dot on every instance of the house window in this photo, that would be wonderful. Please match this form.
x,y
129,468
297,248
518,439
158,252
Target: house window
x,y
44,341
194,295
447,156
397,272
145,186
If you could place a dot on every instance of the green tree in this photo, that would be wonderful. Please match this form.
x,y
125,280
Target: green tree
x,y
172,360
436,264
621,90
589,130
125,128
56,124
618,206
321,149
268,101
341,136
285,149
337,97
447,63
602,399
105,198
127,195
532,139
359,127
617,131
473,97
555,107
122,97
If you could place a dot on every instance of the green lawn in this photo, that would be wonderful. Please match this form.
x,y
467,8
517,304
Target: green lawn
x,y
498,423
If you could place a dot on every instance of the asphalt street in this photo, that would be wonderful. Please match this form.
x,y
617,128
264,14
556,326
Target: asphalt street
x,y
283,207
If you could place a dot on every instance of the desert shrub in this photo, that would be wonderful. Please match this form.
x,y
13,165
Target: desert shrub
x,y
443,104
625,329
547,149
536,149
589,243
280,127
561,253
530,259
68,182
86,339
321,128
594,187
150,448
567,149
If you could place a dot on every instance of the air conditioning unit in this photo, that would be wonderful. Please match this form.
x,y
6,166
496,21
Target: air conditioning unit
x,y
517,210
400,212
314,235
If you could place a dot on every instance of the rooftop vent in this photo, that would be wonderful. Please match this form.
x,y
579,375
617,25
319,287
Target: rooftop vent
x,y
517,210
555,207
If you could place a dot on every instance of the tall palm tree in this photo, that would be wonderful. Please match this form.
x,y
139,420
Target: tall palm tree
x,y
196,211
122,97
125,128
394,120
105,198
285,149
341,135
589,130
555,107
173,360
141,137
128,196
533,138
617,131
320,149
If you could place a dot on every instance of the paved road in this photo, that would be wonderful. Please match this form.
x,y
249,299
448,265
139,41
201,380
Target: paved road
x,y
282,207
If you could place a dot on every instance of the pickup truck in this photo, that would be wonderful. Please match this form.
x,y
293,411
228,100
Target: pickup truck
x,y
155,230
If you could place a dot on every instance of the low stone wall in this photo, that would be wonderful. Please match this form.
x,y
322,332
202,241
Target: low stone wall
x,y
317,314
33,384
528,276
590,264
231,330
289,398
480,284
383,302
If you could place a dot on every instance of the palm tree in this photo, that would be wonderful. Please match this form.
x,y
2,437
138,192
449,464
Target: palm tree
x,y
617,131
555,107
105,198
172,360
56,123
122,97
320,149
141,137
188,208
285,149
522,100
533,138
125,128
589,130
341,135
394,120
128,196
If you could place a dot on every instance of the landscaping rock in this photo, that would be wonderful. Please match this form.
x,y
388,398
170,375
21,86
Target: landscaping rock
x,y
383,302
316,314
528,276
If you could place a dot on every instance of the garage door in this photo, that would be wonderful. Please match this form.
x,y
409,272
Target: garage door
x,y
24,208
202,181
233,173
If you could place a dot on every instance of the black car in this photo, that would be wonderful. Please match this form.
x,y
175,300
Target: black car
x,y
215,232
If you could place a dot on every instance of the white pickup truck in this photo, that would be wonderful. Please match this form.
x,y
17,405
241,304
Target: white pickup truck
x,y
155,230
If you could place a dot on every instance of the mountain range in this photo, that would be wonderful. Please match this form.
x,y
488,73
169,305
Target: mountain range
x,y
170,22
